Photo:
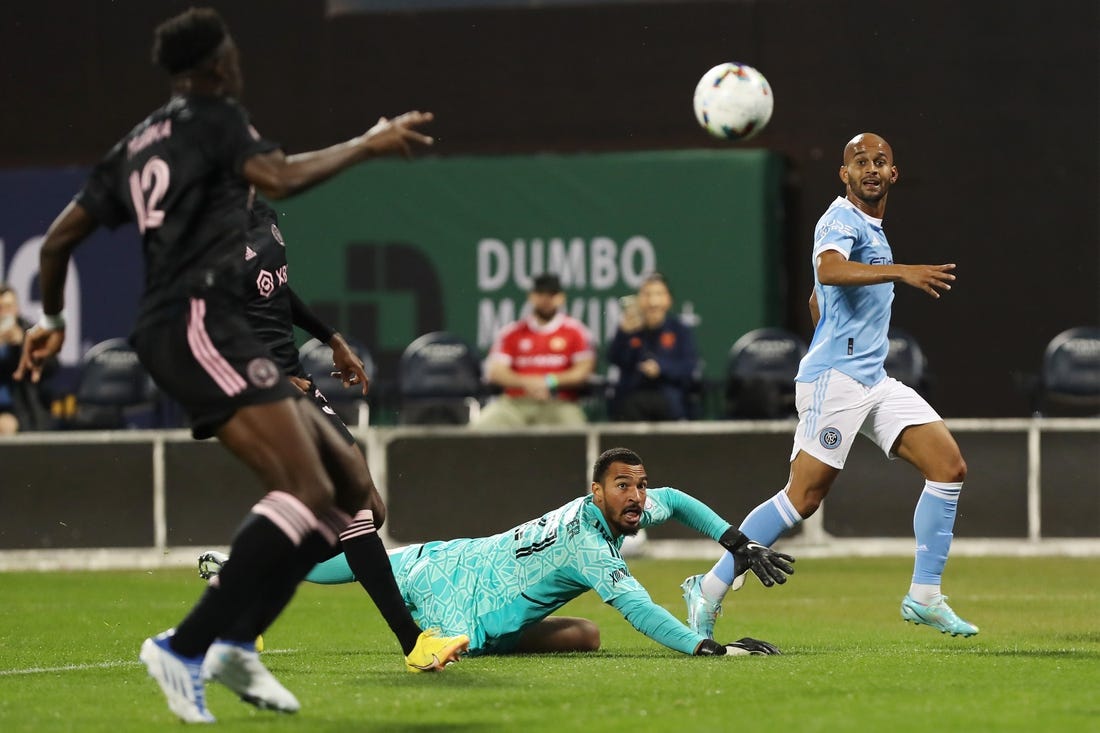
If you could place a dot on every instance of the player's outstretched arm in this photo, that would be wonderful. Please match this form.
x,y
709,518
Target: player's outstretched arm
x,y
770,566
277,175
71,227
834,269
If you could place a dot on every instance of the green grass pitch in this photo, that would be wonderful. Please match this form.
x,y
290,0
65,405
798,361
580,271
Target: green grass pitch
x,y
69,643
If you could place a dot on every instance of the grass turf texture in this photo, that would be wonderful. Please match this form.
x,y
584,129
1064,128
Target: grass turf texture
x,y
69,643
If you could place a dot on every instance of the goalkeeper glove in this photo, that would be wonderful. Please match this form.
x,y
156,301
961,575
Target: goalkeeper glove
x,y
770,566
740,648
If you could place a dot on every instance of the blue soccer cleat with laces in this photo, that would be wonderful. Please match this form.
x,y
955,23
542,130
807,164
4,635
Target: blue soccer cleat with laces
x,y
703,613
938,615
180,679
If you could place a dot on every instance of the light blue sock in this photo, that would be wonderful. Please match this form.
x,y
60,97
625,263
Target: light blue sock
x,y
933,522
764,525
333,571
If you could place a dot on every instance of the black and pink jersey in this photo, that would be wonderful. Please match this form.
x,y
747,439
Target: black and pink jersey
x,y
178,176
267,293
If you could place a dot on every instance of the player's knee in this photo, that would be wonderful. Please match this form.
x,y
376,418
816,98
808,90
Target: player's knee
x,y
589,640
958,469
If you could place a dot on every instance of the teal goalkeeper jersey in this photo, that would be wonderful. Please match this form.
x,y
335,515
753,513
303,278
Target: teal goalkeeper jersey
x,y
491,588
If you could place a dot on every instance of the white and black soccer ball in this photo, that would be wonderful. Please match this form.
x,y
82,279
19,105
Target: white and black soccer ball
x,y
733,101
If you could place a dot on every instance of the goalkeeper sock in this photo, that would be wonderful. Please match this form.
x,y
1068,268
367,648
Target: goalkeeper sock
x,y
331,572
367,558
764,524
933,525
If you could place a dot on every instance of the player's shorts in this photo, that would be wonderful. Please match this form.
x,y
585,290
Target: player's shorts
x,y
437,598
318,398
834,408
207,359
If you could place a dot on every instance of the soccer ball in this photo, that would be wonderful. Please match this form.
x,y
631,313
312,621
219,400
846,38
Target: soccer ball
x,y
733,101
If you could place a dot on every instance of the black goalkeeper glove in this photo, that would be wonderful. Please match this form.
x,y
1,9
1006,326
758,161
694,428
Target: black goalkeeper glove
x,y
770,566
740,648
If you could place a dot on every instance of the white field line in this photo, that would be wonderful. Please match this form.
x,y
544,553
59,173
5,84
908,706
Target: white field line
x,y
117,664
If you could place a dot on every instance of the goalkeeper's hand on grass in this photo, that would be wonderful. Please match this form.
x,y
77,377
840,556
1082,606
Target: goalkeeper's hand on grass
x,y
740,648
770,566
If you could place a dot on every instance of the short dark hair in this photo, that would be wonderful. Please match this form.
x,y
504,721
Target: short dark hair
x,y
656,277
612,455
5,288
184,42
547,283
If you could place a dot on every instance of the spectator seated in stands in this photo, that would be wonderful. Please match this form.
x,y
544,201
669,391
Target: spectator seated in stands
x,y
656,355
541,361
21,404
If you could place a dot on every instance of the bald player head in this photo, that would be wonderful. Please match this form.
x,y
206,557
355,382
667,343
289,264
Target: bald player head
x,y
868,172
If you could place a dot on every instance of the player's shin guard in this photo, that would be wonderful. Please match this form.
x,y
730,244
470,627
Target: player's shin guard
x,y
367,558
933,525
262,553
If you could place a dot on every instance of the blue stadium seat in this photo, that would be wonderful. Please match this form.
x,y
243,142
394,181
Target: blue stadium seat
x,y
906,362
439,381
760,374
1070,375
114,390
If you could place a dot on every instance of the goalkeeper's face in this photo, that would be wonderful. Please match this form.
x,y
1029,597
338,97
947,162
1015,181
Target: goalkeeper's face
x,y
621,497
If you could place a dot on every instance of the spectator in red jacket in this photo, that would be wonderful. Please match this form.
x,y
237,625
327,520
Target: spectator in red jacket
x,y
541,361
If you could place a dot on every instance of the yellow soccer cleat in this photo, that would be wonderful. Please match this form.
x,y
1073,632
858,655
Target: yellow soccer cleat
x,y
434,652
259,643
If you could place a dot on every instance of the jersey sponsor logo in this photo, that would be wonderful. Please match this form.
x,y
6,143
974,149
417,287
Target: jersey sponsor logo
x,y
262,373
830,438
278,235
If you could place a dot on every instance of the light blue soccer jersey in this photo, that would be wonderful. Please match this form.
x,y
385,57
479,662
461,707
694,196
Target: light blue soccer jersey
x,y
851,335
491,588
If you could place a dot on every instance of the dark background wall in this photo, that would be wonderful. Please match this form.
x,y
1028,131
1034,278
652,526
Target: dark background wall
x,y
992,109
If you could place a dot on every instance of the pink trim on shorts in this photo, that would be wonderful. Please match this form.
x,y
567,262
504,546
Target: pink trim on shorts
x,y
202,348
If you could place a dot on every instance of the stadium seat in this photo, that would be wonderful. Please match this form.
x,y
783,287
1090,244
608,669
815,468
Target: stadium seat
x,y
114,390
905,361
1069,379
348,402
439,381
760,374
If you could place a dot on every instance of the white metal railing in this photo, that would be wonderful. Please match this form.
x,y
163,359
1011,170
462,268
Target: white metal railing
x,y
377,438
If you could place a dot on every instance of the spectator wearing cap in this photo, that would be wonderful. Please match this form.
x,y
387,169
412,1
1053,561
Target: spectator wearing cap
x,y
541,362
656,355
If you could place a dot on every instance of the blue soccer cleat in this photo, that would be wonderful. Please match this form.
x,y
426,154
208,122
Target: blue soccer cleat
x,y
937,615
179,677
702,612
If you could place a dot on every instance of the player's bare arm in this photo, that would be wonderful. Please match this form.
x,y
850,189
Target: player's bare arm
x,y
577,375
278,175
815,308
346,365
71,227
834,269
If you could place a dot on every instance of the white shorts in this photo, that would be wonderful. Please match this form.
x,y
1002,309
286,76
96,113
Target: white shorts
x,y
834,408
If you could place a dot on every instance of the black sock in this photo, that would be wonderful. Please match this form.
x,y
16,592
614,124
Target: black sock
x,y
367,558
262,556
314,549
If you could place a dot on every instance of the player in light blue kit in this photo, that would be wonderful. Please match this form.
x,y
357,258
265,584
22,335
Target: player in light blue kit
x,y
842,389
501,590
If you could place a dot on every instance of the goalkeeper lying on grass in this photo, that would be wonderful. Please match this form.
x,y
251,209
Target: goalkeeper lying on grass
x,y
501,590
